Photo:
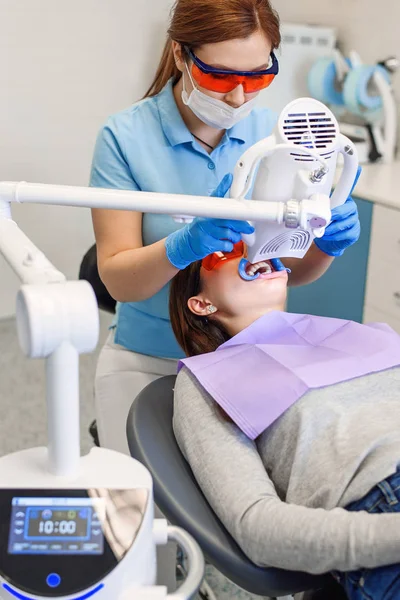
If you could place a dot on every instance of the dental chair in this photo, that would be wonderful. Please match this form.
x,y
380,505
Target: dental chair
x,y
89,272
152,442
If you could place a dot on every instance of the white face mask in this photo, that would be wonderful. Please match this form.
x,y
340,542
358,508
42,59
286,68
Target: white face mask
x,y
213,112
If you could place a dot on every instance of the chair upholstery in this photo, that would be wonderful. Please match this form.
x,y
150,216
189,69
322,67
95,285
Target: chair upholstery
x,y
89,272
152,442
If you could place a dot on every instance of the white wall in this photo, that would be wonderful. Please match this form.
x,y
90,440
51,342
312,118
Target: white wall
x,y
64,67
368,26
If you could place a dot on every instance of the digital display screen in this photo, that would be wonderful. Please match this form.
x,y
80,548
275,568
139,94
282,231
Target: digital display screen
x,y
56,526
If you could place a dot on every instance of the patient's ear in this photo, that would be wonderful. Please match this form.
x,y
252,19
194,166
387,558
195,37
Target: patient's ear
x,y
200,306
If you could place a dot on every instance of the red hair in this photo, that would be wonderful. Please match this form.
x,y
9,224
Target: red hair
x,y
198,22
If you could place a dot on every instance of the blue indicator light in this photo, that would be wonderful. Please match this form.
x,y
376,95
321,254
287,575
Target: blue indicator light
x,y
53,580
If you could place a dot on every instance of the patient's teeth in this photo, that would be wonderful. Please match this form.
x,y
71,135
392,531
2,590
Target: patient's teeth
x,y
263,265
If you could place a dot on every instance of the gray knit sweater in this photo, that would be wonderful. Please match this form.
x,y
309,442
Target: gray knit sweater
x,y
282,497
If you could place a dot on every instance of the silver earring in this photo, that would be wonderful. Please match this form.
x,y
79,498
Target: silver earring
x,y
211,309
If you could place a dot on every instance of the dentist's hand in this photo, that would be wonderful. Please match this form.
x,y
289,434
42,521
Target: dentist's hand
x,y
344,229
202,237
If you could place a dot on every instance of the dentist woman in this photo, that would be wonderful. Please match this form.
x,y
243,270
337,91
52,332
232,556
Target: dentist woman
x,y
184,137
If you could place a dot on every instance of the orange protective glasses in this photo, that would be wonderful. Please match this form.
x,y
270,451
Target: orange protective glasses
x,y
217,259
223,81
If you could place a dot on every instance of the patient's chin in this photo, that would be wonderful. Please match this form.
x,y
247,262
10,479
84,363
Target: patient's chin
x,y
274,293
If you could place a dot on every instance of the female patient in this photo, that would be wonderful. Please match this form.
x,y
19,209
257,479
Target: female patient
x,y
298,496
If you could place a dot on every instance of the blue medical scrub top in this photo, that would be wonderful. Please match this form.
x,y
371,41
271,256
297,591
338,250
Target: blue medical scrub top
x,y
149,148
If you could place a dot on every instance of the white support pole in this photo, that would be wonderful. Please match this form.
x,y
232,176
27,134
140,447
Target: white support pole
x,y
149,202
62,389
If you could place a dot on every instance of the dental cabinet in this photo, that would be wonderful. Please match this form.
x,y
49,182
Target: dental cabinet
x,y
364,284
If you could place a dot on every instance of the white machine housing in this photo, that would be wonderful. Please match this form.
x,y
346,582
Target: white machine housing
x,y
74,527
106,497
121,491
296,165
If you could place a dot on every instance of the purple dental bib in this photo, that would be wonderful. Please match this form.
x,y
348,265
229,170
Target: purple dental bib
x,y
258,374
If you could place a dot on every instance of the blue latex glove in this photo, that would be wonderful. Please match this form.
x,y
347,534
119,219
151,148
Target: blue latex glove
x,y
202,237
344,228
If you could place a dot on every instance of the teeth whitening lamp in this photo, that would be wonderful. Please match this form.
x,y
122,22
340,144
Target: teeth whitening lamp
x,y
77,527
294,170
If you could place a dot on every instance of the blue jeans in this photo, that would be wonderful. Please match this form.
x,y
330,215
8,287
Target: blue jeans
x,y
382,583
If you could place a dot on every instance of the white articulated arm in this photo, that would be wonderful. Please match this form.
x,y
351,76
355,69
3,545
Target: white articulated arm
x,y
247,165
56,320
149,202
344,186
28,262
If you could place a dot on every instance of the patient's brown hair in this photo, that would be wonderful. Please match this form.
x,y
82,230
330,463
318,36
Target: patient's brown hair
x,y
195,335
